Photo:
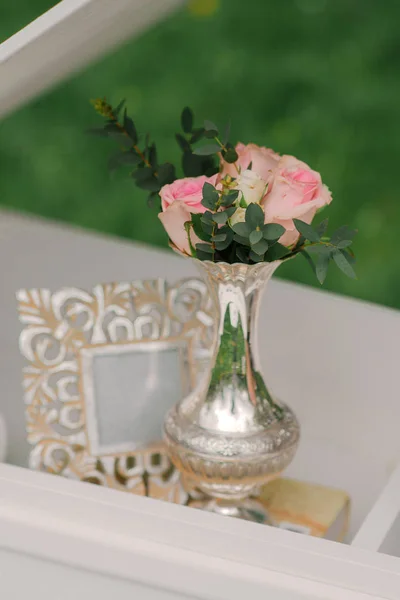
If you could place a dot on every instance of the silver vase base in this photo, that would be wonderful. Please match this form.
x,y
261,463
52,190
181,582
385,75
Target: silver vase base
x,y
247,510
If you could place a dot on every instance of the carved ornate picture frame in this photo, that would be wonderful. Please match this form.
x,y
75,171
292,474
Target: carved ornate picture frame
x,y
82,349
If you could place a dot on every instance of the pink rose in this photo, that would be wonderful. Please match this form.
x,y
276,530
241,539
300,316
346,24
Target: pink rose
x,y
178,200
297,192
264,161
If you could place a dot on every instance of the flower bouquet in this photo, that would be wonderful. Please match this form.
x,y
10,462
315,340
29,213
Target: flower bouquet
x,y
239,211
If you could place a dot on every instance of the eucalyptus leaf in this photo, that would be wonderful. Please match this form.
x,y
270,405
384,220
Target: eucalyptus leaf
x,y
255,237
322,227
242,254
309,260
118,108
306,230
229,198
130,128
120,138
166,173
273,231
343,233
197,135
241,240
227,133
123,158
276,252
183,143
206,150
242,229
221,217
321,267
220,237
256,257
344,243
254,216
343,264
210,196
260,247
210,126
199,229
207,248
230,155
187,118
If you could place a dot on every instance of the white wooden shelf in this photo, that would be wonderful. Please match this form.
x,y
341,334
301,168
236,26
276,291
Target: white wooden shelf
x,y
344,396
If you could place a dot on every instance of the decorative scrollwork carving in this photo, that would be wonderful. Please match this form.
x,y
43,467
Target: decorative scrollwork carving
x,y
56,326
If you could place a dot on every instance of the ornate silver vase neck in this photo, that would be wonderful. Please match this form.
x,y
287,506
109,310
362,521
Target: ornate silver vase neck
x,y
230,436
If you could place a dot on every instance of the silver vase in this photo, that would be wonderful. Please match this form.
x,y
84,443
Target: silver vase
x,y
229,437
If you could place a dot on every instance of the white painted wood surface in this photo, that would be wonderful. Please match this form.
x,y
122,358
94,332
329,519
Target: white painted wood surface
x,y
66,38
167,547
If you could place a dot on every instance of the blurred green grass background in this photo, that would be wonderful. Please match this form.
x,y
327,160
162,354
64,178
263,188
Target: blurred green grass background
x,y
315,78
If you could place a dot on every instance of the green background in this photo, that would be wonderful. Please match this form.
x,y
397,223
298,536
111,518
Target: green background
x,y
315,78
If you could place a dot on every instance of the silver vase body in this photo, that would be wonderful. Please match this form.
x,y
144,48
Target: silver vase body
x,y
229,437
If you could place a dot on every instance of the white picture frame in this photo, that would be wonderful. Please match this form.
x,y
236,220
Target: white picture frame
x,y
102,368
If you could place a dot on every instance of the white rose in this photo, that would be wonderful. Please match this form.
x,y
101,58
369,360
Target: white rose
x,y
252,186
238,216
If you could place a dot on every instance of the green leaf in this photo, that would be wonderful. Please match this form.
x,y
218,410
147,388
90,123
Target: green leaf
x,y
276,252
228,237
229,198
242,229
260,248
273,231
210,126
321,267
309,260
206,225
191,165
319,249
227,133
130,128
242,254
220,237
241,240
118,108
344,243
343,233
221,217
205,248
166,173
123,158
349,254
153,156
210,196
206,150
230,211
255,237
344,265
306,230
256,257
183,143
187,119
230,155
120,138
254,216
198,227
322,227
197,135
145,179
